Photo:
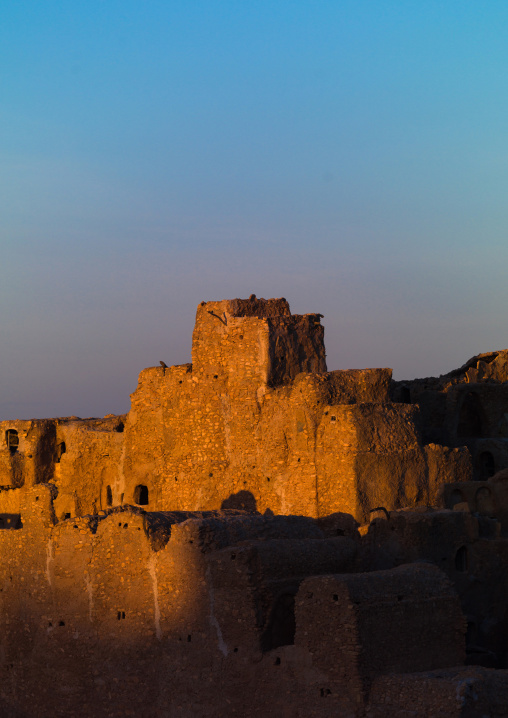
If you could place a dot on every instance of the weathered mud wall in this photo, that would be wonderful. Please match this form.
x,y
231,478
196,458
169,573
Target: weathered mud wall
x,y
256,422
152,614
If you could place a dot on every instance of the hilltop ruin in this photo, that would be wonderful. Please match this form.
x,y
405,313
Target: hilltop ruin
x,y
260,536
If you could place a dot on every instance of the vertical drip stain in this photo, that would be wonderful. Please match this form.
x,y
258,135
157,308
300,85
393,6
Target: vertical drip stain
x,y
213,619
49,560
89,590
152,561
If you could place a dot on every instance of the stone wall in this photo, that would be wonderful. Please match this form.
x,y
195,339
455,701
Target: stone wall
x,y
466,407
256,422
204,614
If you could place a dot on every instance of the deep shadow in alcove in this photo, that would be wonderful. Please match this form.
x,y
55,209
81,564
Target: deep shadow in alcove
x,y
281,626
243,500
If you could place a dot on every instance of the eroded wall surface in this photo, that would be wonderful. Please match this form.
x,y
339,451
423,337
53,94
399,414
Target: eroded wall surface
x,y
466,407
215,613
255,422
201,556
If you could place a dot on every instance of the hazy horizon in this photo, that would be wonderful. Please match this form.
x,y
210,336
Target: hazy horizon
x,y
349,156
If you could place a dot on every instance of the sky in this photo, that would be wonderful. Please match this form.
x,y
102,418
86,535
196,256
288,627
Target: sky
x,y
349,155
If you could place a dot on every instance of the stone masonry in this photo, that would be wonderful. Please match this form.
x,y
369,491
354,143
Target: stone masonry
x,y
259,536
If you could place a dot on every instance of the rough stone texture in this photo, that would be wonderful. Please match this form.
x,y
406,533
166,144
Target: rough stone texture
x,y
343,616
466,407
203,554
461,692
156,615
255,423
32,461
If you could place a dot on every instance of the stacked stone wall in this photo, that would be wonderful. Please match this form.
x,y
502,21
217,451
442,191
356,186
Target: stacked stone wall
x,y
156,613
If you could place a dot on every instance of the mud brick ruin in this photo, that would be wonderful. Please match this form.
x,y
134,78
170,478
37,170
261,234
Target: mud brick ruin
x,y
261,537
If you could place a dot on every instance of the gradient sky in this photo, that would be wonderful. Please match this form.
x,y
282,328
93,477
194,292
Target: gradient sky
x,y
349,155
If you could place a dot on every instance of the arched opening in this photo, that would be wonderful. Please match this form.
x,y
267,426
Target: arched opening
x,y
405,395
470,417
109,496
281,627
487,465
141,495
60,449
461,562
12,440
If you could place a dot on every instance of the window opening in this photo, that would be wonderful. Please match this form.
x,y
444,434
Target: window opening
x,y
60,449
461,559
12,440
109,496
141,495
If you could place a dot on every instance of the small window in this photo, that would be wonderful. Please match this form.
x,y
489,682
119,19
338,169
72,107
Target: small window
x,y
109,496
461,562
60,449
12,440
141,495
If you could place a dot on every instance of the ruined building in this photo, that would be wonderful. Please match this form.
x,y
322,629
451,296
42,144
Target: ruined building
x,y
259,536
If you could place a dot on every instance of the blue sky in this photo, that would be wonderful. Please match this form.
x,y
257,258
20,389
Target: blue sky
x,y
350,156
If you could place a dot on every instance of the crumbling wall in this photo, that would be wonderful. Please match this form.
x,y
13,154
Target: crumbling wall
x,y
88,458
254,423
29,457
469,549
466,407
359,626
171,612
210,442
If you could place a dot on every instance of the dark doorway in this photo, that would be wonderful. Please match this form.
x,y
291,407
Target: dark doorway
x,y
281,627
